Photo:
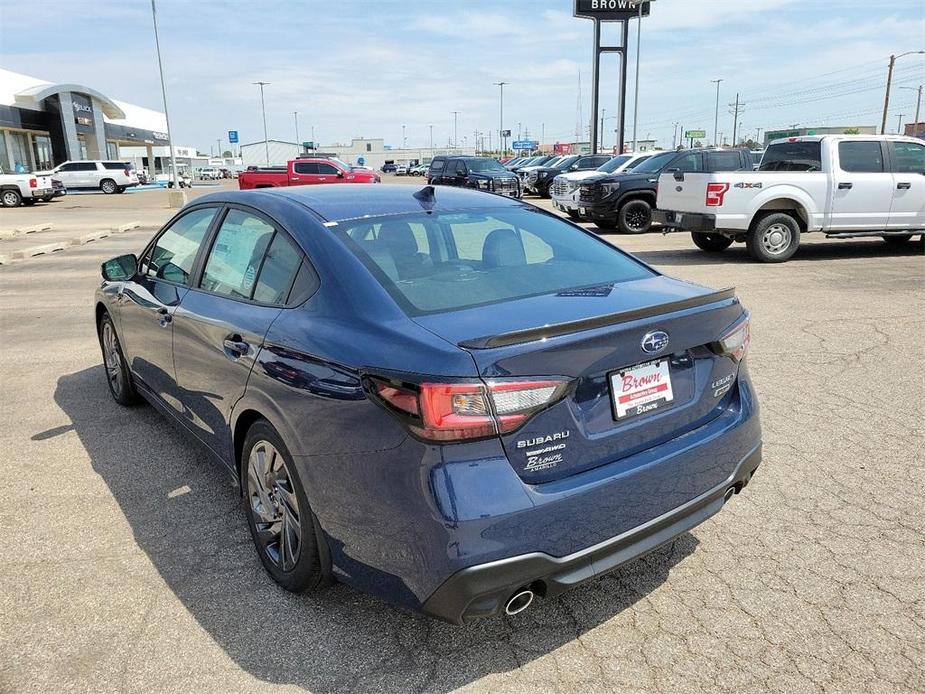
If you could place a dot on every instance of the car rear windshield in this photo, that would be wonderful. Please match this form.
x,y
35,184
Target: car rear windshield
x,y
438,262
793,156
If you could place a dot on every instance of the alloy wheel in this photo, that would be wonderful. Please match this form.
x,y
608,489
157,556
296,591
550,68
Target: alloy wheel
x,y
636,217
108,187
274,505
776,238
112,357
10,199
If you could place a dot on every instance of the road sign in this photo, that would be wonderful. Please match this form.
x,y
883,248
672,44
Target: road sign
x,y
505,133
609,10
233,137
361,161
694,134
525,144
308,145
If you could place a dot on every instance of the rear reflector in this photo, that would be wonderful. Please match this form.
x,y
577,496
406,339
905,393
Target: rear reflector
x,y
463,411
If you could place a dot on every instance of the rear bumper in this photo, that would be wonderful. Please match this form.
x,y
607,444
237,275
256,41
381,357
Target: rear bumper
x,y
482,590
686,221
41,192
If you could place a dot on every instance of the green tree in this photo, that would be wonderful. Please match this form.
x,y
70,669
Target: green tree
x,y
852,131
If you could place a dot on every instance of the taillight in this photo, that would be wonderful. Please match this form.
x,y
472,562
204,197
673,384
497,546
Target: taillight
x,y
127,172
735,343
33,183
463,411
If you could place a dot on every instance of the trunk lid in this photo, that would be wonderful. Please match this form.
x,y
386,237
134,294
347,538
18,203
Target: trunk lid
x,y
595,338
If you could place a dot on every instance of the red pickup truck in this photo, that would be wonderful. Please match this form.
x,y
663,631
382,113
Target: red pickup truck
x,y
304,172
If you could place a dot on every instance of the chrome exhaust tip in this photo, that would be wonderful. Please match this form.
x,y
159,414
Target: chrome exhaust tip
x,y
728,495
518,602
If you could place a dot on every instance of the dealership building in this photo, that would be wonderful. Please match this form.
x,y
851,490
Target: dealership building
x,y
43,124
370,152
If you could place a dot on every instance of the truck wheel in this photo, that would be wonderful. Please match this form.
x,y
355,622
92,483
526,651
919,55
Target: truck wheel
x,y
635,217
47,198
108,186
605,224
29,202
573,214
711,243
10,198
898,241
774,238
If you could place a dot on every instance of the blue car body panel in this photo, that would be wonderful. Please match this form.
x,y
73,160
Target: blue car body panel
x,y
402,516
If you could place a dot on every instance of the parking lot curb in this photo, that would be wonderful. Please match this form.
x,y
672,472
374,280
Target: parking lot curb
x,y
92,236
126,227
35,228
39,250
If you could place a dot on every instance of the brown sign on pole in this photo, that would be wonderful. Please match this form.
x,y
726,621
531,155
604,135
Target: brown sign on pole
x,y
610,10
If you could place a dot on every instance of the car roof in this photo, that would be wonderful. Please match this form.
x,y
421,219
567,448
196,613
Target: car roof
x,y
335,203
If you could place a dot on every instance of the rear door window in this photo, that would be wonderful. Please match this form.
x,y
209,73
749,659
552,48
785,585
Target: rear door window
x,y
722,161
860,157
305,167
278,271
236,255
689,163
172,256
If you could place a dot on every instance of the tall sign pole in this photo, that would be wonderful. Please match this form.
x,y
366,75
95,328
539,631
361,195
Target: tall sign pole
x,y
610,11
160,68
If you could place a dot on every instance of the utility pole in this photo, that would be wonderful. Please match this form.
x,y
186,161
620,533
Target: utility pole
x,y
431,142
404,140
918,109
603,114
899,128
219,141
543,132
455,129
889,83
475,139
501,139
314,144
716,116
160,69
674,136
295,114
263,109
735,119
636,97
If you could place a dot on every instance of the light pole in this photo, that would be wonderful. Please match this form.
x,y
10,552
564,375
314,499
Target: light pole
x,y
889,82
263,109
899,127
455,129
295,114
716,116
431,142
404,140
918,109
674,135
219,141
603,116
636,96
160,68
501,138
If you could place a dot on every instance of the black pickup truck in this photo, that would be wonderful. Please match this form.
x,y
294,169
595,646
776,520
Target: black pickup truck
x,y
625,201
537,179
482,173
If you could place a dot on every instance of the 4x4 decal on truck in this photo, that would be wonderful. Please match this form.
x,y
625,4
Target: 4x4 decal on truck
x,y
747,184
715,194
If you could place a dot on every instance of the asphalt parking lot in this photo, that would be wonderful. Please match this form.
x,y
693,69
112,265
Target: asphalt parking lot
x,y
127,564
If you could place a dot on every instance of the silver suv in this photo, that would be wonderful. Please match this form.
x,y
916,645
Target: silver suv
x,y
107,176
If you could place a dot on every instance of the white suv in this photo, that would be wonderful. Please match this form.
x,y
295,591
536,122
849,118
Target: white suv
x,y
209,174
107,176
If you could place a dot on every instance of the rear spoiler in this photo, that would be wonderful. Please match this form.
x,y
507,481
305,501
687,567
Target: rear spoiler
x,y
530,334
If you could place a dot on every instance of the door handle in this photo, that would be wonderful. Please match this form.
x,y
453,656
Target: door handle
x,y
903,186
235,346
164,317
845,186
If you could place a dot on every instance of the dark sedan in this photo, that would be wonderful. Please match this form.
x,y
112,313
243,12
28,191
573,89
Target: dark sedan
x,y
447,398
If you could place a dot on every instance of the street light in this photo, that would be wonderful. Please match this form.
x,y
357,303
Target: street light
x,y
455,130
501,138
899,127
716,117
889,82
160,68
636,95
404,140
263,109
918,109
295,114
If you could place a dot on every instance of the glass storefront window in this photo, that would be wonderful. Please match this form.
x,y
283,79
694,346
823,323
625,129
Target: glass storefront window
x,y
41,149
112,150
4,157
83,148
21,161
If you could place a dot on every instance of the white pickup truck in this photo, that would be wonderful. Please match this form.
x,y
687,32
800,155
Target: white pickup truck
x,y
845,186
23,188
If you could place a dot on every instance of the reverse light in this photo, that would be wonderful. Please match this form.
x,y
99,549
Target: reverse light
x,y
463,411
735,343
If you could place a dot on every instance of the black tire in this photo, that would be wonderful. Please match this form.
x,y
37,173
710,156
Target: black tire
x,y
10,198
711,243
304,571
898,241
108,186
635,217
774,238
48,198
29,202
121,189
605,224
118,377
572,214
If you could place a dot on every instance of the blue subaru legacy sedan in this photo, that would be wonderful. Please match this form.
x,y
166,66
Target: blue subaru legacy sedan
x,y
453,400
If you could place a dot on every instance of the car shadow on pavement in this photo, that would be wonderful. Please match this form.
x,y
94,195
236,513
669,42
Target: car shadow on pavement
x,y
736,253
187,518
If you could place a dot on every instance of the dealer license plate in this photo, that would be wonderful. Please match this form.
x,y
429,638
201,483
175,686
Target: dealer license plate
x,y
581,210
641,389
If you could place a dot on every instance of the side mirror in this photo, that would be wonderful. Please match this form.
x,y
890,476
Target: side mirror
x,y
340,174
120,268
573,167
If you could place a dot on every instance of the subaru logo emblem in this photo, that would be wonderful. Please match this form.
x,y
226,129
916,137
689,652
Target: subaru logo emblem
x,y
655,341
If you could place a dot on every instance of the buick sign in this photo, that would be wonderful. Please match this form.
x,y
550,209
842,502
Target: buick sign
x,y
655,341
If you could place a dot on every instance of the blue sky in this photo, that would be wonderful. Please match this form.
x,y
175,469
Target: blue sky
x,y
367,67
